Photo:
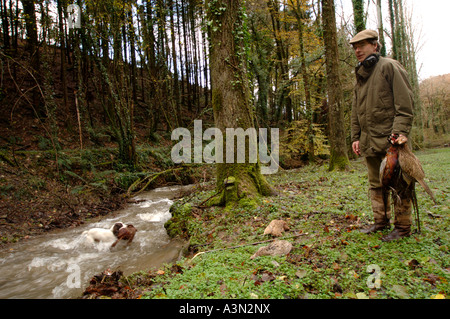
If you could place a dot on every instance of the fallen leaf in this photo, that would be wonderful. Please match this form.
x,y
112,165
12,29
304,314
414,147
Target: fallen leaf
x,y
223,289
344,242
350,295
344,256
400,291
431,278
253,295
361,295
438,296
276,248
336,266
425,259
267,276
276,228
273,262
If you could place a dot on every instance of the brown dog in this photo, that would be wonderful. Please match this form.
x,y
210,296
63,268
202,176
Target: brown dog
x,y
115,229
126,233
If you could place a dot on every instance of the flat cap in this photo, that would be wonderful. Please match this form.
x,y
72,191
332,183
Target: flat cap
x,y
364,35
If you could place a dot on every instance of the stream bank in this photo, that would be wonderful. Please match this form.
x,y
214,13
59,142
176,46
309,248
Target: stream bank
x,y
59,264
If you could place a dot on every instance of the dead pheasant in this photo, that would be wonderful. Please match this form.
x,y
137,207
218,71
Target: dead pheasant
x,y
389,173
389,168
410,166
399,172
401,167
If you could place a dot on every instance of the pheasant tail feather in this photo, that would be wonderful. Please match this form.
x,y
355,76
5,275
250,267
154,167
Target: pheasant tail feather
x,y
427,189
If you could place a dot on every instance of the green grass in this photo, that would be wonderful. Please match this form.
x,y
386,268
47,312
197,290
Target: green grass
x,y
330,258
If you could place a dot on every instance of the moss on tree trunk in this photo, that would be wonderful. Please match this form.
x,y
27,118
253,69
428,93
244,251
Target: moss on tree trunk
x,y
338,147
231,99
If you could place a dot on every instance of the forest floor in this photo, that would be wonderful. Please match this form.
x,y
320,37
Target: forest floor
x,y
330,258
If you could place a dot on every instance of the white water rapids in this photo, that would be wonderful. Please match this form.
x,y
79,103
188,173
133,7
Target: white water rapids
x,y
54,264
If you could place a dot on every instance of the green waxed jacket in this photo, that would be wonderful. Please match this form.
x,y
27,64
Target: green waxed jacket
x,y
383,104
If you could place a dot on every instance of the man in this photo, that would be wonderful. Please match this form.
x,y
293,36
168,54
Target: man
x,y
382,107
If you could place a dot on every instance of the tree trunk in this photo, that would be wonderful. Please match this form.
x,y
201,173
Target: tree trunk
x,y
339,157
187,62
176,81
132,40
260,67
29,11
299,14
396,31
283,96
358,15
231,100
5,25
14,18
61,6
195,59
381,29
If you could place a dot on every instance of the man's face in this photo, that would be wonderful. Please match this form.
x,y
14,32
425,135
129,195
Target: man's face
x,y
363,49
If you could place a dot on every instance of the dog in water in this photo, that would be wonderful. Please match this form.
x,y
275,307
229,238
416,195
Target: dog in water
x,y
113,235
126,232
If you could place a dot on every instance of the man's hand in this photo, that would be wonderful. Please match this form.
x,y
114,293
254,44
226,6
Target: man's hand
x,y
394,138
355,147
402,137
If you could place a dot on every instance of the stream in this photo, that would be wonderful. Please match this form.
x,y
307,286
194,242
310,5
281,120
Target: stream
x,y
60,264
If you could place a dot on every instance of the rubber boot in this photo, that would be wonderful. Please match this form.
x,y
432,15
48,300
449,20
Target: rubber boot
x,y
381,217
402,220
